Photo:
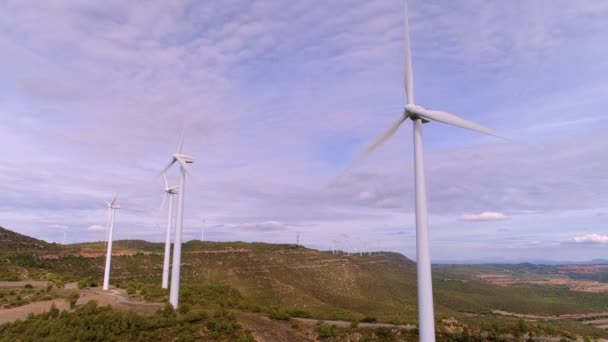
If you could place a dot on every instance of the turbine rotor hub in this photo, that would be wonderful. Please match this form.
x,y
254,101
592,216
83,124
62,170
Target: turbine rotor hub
x,y
413,112
186,158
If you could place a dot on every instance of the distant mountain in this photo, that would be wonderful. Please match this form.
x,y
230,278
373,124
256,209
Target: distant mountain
x,y
502,261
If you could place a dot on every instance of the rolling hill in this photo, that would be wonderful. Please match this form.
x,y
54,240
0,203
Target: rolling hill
x,y
302,281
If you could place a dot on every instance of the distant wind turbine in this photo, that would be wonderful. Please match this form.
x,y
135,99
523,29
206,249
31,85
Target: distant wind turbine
x,y
112,206
183,160
420,115
169,192
203,232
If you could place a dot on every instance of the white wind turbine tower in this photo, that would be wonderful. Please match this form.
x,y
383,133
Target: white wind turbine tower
x,y
203,232
420,115
65,230
182,160
112,206
169,192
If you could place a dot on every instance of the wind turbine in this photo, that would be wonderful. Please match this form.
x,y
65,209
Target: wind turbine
x,y
169,192
203,232
112,206
182,160
420,115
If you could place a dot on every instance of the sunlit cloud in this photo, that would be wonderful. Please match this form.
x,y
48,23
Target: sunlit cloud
x,y
96,228
485,216
591,238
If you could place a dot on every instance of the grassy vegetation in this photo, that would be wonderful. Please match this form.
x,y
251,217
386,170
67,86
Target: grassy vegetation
x,y
94,323
478,297
10,298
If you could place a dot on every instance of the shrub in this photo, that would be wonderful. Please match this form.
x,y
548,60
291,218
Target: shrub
x,y
184,308
87,282
326,330
368,319
28,286
53,312
167,311
73,299
246,337
279,314
131,289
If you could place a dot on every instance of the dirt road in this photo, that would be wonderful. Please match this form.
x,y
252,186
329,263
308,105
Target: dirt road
x,y
362,325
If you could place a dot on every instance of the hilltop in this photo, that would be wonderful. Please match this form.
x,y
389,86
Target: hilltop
x,y
13,243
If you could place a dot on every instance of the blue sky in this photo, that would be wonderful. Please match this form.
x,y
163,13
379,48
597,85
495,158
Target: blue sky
x,y
279,96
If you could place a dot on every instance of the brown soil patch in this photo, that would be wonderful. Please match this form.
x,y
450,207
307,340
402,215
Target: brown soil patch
x,y
264,329
221,251
572,284
21,312
117,298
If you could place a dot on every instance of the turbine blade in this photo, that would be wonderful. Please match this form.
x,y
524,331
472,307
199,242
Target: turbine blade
x,y
166,183
409,76
162,204
371,148
114,200
181,141
173,160
451,119
382,138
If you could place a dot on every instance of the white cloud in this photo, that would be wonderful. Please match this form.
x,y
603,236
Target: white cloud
x,y
58,226
485,216
264,226
367,195
96,228
591,238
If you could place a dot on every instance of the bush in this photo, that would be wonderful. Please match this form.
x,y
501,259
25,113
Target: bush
x,y
153,293
222,295
246,337
131,289
279,314
73,299
326,330
368,319
184,308
91,322
28,286
87,282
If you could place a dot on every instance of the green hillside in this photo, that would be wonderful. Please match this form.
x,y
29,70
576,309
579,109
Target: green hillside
x,y
293,279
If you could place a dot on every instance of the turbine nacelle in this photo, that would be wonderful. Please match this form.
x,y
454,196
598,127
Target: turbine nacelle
x,y
413,112
183,158
113,204
171,191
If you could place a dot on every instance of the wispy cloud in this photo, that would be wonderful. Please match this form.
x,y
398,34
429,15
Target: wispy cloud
x,y
262,226
591,238
485,216
96,228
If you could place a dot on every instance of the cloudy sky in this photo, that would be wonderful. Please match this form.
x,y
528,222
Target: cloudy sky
x,y
279,96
